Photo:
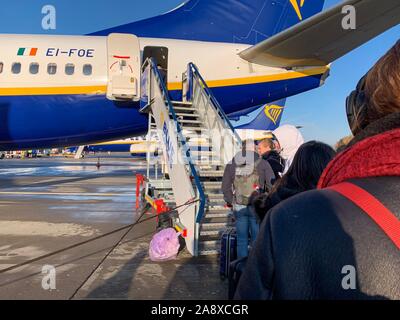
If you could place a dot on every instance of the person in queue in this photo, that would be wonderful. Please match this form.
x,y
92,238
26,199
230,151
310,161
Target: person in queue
x,y
342,240
308,164
266,150
287,139
246,175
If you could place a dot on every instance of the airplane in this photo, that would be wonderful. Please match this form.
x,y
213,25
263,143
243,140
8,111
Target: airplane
x,y
72,90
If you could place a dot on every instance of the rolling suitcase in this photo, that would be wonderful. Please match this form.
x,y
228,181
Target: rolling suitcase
x,y
228,251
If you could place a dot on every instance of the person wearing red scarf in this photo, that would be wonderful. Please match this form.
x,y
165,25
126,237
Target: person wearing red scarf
x,y
373,154
321,245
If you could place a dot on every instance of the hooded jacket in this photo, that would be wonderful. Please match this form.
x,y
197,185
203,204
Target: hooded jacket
x,y
264,171
290,140
320,245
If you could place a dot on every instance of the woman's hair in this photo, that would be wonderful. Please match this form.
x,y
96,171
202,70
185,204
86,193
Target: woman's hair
x,y
382,86
308,164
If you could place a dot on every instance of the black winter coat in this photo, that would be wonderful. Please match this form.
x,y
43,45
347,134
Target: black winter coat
x,y
307,244
276,162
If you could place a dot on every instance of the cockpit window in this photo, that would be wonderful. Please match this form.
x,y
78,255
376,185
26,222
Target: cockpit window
x,y
51,68
34,68
1,67
16,68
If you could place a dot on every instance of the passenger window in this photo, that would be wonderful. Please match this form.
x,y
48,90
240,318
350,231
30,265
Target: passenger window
x,y
69,69
51,68
87,69
16,68
34,68
1,67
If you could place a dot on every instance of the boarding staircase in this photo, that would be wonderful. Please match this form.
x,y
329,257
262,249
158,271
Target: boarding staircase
x,y
197,141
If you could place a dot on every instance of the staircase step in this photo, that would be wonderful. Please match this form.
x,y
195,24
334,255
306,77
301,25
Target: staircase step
x,y
195,137
218,209
222,223
212,185
212,245
181,103
212,232
201,163
218,214
190,121
216,204
211,173
214,226
204,166
188,115
187,108
197,129
216,196
216,237
208,252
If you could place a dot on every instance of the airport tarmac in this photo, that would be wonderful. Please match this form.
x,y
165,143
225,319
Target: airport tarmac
x,y
47,204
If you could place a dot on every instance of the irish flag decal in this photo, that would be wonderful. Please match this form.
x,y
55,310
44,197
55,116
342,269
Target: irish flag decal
x,y
27,52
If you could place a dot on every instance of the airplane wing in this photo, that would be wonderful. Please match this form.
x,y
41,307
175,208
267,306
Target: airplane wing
x,y
321,39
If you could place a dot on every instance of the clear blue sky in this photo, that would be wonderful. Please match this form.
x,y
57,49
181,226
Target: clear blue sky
x,y
321,111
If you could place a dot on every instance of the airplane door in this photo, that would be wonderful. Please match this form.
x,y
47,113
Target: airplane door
x,y
123,52
160,54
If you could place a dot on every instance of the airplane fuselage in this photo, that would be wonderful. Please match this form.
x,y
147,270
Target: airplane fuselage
x,y
53,89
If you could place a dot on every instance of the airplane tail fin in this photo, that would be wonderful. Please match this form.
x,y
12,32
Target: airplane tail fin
x,y
269,117
233,21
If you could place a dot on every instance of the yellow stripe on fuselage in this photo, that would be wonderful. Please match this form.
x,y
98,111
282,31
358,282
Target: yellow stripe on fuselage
x,y
256,79
171,86
41,91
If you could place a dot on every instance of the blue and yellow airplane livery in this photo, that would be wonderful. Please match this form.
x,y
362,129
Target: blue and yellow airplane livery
x,y
66,90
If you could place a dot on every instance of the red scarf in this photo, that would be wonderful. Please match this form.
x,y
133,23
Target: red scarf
x,y
376,156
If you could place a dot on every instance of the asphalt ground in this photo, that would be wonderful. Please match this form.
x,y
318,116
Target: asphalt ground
x,y
47,204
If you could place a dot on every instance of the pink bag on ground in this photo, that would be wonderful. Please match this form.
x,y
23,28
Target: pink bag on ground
x,y
164,245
